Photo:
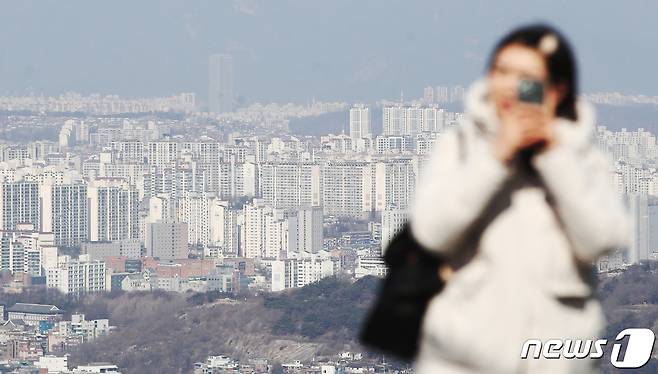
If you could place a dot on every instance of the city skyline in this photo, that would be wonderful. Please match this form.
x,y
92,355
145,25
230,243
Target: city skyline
x,y
199,186
162,47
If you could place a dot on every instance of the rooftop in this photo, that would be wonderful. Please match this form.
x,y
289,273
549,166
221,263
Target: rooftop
x,y
35,309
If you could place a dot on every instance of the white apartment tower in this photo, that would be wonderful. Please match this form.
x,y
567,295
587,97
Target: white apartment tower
x,y
20,204
227,227
360,122
410,120
289,185
254,228
299,272
348,188
77,276
395,183
280,234
309,229
202,212
113,211
392,222
267,232
26,250
65,212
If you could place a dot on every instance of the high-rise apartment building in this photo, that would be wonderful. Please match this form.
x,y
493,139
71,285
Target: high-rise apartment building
x,y
360,122
392,222
289,185
309,229
348,188
76,276
65,212
20,204
410,120
113,211
202,212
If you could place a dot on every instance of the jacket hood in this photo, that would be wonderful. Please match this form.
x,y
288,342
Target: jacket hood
x,y
481,110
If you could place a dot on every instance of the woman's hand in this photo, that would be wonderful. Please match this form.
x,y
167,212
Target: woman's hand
x,y
521,126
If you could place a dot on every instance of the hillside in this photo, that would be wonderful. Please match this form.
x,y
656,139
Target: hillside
x,y
167,333
630,300
173,331
160,332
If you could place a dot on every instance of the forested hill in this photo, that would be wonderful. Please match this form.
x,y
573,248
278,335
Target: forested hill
x,y
167,333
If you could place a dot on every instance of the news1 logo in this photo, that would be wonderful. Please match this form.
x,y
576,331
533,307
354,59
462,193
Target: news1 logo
x,y
638,348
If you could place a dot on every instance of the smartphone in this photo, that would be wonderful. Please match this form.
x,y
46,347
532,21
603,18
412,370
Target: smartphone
x,y
531,91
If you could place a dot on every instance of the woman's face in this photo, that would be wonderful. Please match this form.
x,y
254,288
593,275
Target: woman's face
x,y
514,63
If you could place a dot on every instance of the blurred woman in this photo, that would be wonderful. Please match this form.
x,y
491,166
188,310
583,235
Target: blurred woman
x,y
524,189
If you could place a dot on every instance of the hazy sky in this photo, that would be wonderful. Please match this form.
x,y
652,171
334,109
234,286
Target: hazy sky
x,y
296,49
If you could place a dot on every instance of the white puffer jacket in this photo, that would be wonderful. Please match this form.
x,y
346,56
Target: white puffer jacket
x,y
536,228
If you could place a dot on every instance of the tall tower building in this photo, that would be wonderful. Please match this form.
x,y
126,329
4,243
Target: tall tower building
x,y
113,212
254,229
441,94
203,214
220,83
394,120
229,228
65,212
20,204
360,122
309,229
393,221
639,209
428,95
395,183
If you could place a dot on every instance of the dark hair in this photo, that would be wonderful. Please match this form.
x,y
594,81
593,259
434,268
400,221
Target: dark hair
x,y
560,63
